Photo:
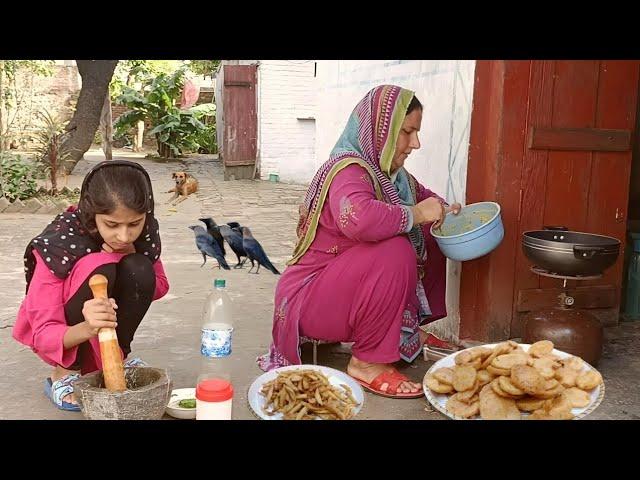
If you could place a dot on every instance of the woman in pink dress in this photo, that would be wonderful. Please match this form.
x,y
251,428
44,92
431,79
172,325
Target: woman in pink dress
x,y
112,232
366,269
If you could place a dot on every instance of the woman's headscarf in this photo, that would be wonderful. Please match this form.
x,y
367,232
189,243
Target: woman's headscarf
x,y
369,139
66,239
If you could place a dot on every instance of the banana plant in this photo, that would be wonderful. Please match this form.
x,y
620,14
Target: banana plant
x,y
176,130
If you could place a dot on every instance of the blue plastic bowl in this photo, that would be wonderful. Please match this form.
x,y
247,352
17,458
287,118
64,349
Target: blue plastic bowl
x,y
474,232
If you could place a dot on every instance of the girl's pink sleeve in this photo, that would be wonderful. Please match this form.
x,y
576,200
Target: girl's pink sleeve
x,y
43,315
162,283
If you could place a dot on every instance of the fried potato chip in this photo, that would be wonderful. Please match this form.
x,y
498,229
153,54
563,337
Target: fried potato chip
x,y
509,360
559,407
589,380
481,352
578,398
497,350
575,363
463,357
544,366
476,363
444,375
467,395
431,382
567,376
495,407
543,347
551,384
462,409
498,371
464,377
495,386
529,404
528,379
507,386
484,377
500,382
552,388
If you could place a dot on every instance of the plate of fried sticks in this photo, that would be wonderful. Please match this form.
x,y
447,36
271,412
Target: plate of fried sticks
x,y
305,392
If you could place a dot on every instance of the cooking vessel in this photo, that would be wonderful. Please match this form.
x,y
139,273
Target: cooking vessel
x,y
568,253
474,232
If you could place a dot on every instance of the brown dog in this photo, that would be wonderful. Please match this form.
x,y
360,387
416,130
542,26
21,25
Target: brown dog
x,y
185,186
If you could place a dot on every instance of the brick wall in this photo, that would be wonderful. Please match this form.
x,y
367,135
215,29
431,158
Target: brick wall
x,y
57,94
206,96
149,141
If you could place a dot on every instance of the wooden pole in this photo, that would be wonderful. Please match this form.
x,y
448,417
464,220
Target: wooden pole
x,y
112,366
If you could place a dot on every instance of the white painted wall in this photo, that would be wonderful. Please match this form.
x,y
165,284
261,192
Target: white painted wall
x,y
445,88
286,119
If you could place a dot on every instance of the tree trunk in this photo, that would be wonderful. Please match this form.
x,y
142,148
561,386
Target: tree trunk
x,y
106,127
96,75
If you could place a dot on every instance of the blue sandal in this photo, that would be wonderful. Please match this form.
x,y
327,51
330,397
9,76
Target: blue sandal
x,y
57,390
135,362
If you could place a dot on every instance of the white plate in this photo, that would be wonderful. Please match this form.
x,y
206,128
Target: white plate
x,y
178,412
439,400
336,377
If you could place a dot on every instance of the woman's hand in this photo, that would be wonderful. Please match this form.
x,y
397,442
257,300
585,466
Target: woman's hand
x,y
455,208
99,313
427,211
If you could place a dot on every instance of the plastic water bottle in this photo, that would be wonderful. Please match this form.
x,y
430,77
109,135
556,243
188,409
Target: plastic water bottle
x,y
216,341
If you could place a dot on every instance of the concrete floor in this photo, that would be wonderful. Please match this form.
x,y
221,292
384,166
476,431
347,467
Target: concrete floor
x,y
169,335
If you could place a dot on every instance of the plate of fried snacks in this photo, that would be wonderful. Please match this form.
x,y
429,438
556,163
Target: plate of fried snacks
x,y
305,392
513,381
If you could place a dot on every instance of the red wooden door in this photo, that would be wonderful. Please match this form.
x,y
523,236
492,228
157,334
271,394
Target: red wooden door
x,y
551,142
577,161
240,115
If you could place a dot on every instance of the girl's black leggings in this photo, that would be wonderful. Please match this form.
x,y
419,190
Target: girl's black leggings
x,y
132,283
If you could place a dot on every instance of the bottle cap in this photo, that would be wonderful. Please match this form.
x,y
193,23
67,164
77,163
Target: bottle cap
x,y
214,390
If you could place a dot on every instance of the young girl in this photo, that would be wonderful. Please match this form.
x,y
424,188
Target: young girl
x,y
113,232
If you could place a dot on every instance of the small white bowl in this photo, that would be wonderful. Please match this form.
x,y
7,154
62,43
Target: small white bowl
x,y
179,412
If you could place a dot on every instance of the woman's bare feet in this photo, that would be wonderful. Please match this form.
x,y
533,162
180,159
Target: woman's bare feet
x,y
368,371
58,373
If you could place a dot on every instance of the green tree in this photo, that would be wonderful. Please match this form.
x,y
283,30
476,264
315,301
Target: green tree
x,y
11,98
206,68
135,74
131,72
176,130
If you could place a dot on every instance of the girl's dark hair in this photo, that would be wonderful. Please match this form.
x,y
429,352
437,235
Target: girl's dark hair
x,y
110,187
414,104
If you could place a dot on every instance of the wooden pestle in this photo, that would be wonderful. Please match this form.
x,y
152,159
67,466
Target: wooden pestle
x,y
112,367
